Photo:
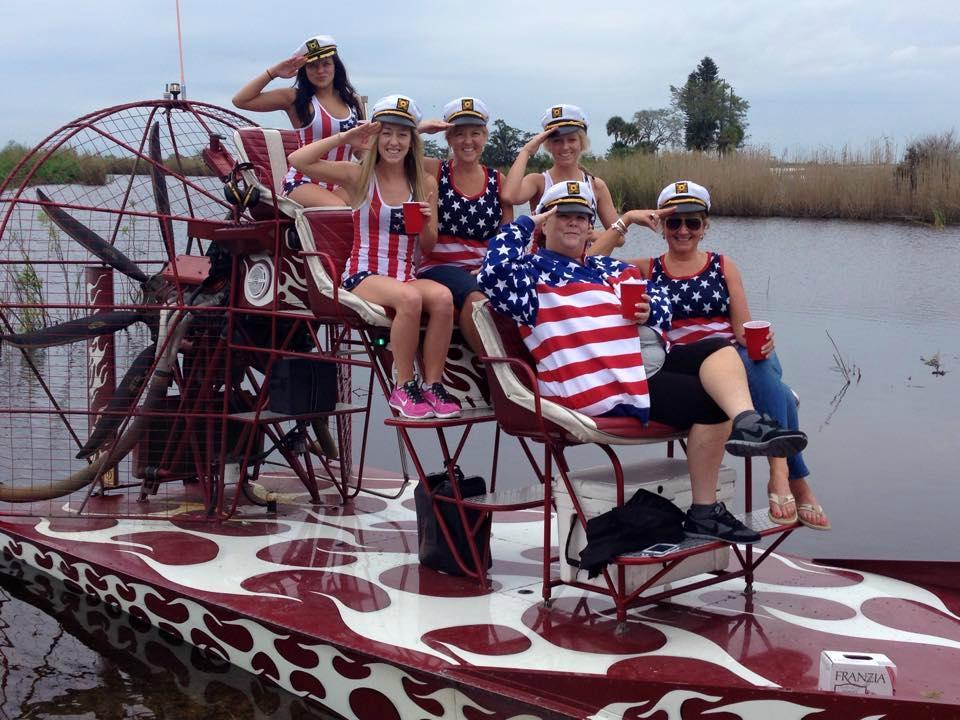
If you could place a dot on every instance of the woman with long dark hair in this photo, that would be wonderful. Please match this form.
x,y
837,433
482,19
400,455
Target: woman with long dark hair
x,y
321,103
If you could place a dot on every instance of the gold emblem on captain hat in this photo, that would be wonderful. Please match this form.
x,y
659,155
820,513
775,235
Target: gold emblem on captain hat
x,y
312,46
680,187
557,112
573,188
466,104
403,104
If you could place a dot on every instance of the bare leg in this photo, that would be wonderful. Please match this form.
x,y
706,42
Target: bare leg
x,y
438,303
704,455
467,326
804,494
723,377
405,329
312,195
778,485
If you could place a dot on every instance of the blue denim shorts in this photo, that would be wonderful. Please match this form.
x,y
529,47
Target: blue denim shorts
x,y
459,281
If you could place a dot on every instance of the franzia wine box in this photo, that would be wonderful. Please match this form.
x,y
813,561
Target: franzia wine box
x,y
857,673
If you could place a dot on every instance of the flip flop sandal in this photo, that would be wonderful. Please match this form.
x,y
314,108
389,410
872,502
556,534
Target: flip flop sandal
x,y
780,501
807,507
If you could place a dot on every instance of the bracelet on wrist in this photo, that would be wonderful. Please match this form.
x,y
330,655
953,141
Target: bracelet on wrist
x,y
620,226
270,74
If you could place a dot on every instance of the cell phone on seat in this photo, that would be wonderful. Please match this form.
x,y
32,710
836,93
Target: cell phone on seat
x,y
659,549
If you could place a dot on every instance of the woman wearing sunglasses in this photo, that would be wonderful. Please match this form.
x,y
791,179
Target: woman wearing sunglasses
x,y
709,301
321,103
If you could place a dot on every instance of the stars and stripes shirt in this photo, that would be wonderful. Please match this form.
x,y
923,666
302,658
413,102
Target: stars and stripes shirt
x,y
322,126
380,246
465,223
588,355
700,302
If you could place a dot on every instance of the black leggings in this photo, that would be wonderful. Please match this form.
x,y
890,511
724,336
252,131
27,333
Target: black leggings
x,y
676,396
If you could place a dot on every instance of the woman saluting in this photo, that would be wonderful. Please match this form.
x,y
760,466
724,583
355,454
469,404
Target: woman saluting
x,y
321,103
384,257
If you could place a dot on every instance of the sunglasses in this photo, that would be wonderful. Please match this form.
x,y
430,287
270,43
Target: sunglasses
x,y
693,224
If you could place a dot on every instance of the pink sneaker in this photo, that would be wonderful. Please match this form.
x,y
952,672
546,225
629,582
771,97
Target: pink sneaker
x,y
408,400
443,403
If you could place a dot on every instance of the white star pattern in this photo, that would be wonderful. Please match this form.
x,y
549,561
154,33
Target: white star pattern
x,y
696,298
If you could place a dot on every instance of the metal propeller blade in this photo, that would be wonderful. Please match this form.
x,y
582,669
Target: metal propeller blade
x,y
90,240
119,405
73,330
158,179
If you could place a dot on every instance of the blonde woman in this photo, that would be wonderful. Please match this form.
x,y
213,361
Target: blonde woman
x,y
470,207
565,137
385,256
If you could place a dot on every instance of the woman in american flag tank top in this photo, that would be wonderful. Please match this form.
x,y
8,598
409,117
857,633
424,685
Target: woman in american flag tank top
x,y
470,208
321,103
385,254
709,301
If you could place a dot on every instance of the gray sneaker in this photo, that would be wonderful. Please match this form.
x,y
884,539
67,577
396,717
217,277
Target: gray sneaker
x,y
715,522
756,434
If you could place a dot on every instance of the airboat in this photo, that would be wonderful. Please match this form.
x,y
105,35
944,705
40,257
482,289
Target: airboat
x,y
189,400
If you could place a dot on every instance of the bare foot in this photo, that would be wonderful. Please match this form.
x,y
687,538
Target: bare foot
x,y
812,515
783,508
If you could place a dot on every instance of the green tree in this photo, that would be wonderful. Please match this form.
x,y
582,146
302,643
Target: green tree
x,y
433,149
648,131
503,145
714,116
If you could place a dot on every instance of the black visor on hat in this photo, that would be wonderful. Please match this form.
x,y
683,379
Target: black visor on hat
x,y
394,117
685,205
467,117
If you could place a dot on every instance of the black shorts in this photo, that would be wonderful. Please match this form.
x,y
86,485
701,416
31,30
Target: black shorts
x,y
676,396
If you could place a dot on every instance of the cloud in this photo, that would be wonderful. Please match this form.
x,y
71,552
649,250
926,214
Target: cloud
x,y
802,65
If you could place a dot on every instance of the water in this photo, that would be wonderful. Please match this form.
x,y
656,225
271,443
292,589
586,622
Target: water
x,y
65,655
881,452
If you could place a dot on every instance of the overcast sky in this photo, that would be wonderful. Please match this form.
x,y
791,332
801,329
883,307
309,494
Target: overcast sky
x,y
831,73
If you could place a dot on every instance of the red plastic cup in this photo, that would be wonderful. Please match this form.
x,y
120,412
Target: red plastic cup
x,y
412,218
630,294
756,332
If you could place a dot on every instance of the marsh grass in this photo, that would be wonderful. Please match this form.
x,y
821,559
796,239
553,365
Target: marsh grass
x,y
67,166
864,185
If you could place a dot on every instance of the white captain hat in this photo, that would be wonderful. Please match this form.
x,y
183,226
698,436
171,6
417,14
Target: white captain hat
x,y
685,196
564,119
317,47
569,196
466,111
396,109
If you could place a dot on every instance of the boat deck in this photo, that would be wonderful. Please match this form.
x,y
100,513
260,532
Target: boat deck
x,y
330,602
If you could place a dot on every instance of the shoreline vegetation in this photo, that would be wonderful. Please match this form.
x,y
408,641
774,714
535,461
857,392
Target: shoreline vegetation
x,y
69,167
853,185
847,184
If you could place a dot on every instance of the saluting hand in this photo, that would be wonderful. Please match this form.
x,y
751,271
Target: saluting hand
x,y
361,136
649,218
430,127
289,67
534,143
540,218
